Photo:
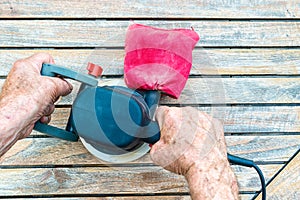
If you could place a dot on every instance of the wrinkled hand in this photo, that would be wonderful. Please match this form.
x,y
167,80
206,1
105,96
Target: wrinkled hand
x,y
30,93
188,136
192,144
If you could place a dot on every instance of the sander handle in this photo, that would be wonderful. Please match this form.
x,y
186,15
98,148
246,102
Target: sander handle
x,y
53,71
55,132
152,98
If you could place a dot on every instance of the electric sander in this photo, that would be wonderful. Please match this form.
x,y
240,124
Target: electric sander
x,y
114,123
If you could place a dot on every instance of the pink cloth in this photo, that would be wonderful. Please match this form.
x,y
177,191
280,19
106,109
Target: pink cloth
x,y
158,59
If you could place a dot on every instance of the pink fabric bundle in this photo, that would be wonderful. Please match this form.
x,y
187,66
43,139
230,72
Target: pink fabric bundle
x,y
158,59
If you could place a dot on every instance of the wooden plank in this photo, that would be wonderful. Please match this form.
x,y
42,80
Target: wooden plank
x,y
169,197
128,197
110,59
205,60
268,148
238,91
109,180
150,9
236,119
91,180
212,91
216,91
53,151
286,184
257,119
102,33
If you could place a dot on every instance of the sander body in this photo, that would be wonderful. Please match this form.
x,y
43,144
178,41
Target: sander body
x,y
114,123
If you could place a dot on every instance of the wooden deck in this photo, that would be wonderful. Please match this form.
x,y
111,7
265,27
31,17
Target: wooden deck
x,y
245,72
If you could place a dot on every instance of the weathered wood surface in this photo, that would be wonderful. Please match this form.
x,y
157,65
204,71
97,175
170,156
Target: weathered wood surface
x,y
183,9
103,33
238,91
206,61
53,151
211,91
260,110
288,179
139,197
110,180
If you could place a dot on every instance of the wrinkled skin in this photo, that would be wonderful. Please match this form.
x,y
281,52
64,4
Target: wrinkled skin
x,y
192,144
27,97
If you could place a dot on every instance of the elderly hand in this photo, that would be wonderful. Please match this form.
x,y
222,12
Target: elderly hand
x,y
192,144
27,97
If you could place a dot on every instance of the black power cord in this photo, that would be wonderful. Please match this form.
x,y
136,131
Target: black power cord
x,y
249,163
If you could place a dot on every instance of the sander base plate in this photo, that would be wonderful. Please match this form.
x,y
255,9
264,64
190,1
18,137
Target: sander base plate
x,y
120,158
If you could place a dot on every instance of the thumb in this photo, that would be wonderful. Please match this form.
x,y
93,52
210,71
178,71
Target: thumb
x,y
38,59
160,114
162,154
154,152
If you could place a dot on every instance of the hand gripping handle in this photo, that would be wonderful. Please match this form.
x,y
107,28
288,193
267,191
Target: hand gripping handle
x,y
55,70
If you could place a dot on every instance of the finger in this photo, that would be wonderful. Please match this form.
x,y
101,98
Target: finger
x,y
45,119
57,100
49,110
62,87
39,58
160,114
163,154
26,131
155,152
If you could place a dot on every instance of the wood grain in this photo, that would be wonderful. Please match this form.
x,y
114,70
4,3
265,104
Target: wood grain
x,y
206,61
102,33
286,181
144,9
216,91
141,197
53,151
109,180
238,91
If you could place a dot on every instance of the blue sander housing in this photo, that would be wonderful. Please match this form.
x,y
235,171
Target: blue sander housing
x,y
114,123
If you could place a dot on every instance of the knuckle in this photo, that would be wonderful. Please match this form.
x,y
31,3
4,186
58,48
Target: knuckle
x,y
42,55
19,63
